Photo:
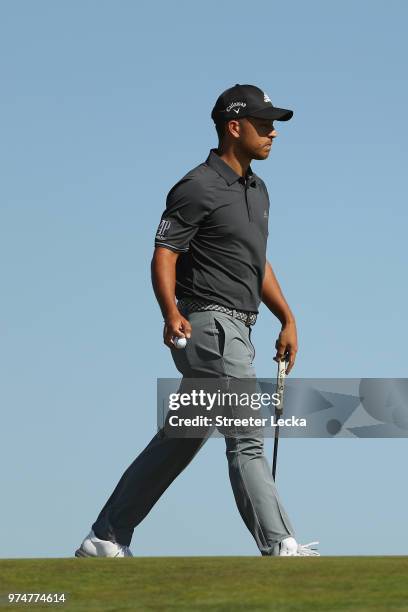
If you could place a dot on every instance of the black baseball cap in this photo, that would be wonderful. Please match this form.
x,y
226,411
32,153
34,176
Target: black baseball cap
x,y
247,101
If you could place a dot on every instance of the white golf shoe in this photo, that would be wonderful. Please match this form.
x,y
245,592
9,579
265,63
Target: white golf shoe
x,y
94,547
290,548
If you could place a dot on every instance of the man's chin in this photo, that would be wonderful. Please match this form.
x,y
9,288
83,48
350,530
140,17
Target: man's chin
x,y
262,154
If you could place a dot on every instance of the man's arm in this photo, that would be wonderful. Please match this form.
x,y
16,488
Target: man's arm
x,y
163,268
272,297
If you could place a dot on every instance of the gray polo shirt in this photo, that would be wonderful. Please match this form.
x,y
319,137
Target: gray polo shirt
x,y
218,222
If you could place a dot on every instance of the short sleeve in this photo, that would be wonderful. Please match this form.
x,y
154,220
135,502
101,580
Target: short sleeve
x,y
187,204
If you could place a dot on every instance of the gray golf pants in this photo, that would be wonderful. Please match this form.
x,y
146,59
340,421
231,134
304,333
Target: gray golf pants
x,y
220,346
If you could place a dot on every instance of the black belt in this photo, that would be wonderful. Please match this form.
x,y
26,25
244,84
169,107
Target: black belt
x,y
192,305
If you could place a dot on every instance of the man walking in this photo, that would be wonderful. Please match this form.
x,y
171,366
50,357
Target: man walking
x,y
209,273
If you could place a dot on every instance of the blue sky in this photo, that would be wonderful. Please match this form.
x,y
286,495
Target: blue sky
x,y
104,106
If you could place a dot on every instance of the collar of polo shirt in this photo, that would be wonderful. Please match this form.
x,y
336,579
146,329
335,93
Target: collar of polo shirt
x,y
225,170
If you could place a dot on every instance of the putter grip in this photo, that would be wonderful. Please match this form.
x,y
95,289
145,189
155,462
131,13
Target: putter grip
x,y
280,383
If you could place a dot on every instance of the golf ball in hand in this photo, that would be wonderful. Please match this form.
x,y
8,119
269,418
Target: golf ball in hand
x,y
179,343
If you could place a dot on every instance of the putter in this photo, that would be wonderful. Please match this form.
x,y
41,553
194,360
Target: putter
x,y
280,385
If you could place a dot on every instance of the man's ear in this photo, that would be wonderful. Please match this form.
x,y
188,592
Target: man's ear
x,y
234,128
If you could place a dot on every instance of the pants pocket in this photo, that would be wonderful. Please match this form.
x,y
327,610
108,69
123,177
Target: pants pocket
x,y
250,341
234,344
220,335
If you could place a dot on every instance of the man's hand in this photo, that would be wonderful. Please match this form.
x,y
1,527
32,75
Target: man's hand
x,y
286,345
175,325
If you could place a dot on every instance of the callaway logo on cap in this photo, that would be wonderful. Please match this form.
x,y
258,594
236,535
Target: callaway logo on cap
x,y
247,101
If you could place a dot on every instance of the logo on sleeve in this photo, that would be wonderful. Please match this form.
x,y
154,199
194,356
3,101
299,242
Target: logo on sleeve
x,y
163,229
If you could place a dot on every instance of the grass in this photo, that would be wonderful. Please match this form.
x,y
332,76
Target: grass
x,y
211,583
